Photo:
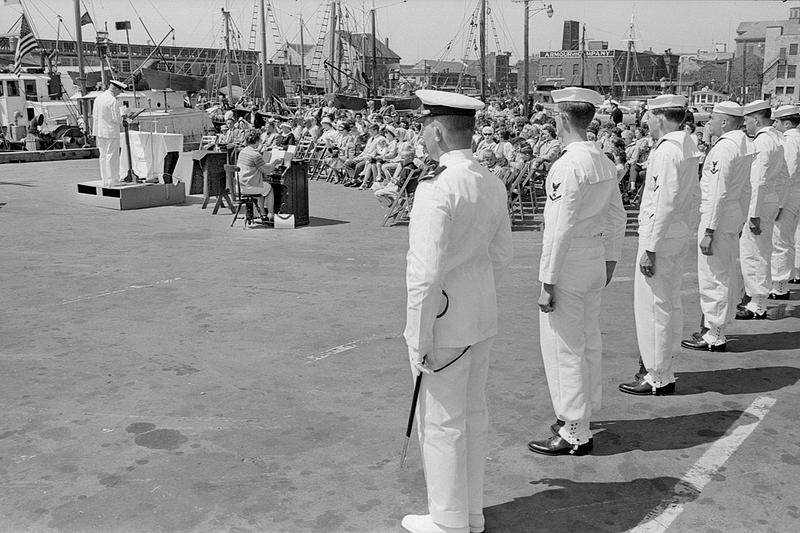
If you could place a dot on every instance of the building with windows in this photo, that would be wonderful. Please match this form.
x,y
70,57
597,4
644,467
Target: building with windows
x,y
766,59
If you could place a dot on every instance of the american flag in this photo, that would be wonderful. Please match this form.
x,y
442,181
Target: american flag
x,y
25,45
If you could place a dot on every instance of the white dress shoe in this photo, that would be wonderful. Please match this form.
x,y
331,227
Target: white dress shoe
x,y
476,523
423,523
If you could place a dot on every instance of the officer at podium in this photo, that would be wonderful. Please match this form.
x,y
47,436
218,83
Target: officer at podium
x,y
106,121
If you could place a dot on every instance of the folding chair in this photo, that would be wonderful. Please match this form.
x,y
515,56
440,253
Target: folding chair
x,y
316,160
248,201
303,151
400,208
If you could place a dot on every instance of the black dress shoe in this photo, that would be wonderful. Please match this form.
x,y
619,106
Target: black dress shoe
x,y
700,344
556,445
746,314
643,388
556,426
775,296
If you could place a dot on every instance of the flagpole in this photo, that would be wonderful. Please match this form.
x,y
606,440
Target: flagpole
x,y
81,74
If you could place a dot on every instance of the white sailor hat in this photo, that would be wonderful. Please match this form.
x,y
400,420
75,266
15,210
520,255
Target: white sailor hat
x,y
444,103
786,111
118,84
326,120
667,100
729,108
757,105
487,129
577,94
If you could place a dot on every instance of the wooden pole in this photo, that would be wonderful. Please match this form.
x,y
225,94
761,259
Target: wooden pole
x,y
332,53
226,14
81,70
263,16
526,77
374,56
483,49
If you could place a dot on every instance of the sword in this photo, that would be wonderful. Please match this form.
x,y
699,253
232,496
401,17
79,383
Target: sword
x,y
410,420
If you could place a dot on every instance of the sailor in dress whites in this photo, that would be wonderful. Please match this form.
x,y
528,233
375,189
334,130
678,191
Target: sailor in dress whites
x,y
666,209
106,121
767,178
787,118
724,197
582,242
459,246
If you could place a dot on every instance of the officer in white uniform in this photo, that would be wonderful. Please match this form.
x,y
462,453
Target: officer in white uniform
x,y
724,198
787,118
459,246
106,121
667,206
582,242
767,178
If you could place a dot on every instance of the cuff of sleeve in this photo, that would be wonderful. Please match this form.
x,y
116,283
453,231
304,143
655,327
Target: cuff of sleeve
x,y
548,277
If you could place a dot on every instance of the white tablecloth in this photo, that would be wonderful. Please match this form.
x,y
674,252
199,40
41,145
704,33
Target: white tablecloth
x,y
147,152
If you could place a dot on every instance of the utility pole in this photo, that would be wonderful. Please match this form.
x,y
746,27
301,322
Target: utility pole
x,y
527,76
227,14
332,54
583,56
263,16
81,74
483,49
374,53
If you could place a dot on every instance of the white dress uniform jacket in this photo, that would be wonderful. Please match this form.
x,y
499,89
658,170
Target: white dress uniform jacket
x,y
724,200
668,204
459,243
106,122
767,178
783,237
584,227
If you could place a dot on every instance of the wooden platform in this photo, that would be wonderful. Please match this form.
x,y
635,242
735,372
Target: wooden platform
x,y
48,155
134,196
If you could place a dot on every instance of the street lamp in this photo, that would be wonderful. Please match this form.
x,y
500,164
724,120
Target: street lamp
x,y
547,8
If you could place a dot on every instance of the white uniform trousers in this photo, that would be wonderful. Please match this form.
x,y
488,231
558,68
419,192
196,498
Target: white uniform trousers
x,y
796,271
453,422
719,283
109,159
658,312
570,339
755,253
783,245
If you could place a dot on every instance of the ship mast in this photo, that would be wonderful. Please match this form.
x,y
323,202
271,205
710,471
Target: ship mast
x,y
483,49
628,61
263,17
81,74
227,14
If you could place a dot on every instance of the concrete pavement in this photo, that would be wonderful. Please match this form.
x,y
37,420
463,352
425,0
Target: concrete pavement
x,y
160,371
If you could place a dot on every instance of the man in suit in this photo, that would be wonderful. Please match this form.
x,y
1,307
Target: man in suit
x,y
459,246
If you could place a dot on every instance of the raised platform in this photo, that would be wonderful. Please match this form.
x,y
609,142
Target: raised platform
x,y
133,196
48,155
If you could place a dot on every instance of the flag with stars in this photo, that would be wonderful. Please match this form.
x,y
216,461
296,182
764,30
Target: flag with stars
x,y
25,44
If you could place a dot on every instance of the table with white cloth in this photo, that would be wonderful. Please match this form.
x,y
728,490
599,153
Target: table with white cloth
x,y
153,155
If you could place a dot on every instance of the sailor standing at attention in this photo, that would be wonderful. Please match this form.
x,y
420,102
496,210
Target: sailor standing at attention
x,y
787,118
106,121
667,204
767,178
584,226
724,196
459,246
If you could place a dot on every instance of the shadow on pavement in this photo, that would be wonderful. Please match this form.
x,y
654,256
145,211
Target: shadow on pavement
x,y
736,380
18,184
780,340
318,221
614,437
568,506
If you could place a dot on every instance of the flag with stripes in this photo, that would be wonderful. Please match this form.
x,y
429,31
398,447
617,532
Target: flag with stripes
x,y
25,44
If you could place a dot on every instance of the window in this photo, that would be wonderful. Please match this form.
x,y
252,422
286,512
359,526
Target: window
x,y
778,90
2,89
248,70
126,65
790,90
30,89
793,49
575,69
791,71
13,88
781,71
560,71
782,53
599,70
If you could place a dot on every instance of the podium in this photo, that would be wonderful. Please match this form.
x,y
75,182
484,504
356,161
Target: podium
x,y
131,195
208,177
153,154
290,188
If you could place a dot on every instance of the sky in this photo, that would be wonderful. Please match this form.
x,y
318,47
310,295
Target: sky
x,y
417,29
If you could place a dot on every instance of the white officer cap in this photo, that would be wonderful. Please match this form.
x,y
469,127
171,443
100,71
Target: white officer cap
x,y
729,108
786,111
757,105
326,120
444,103
118,84
487,129
667,100
577,94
